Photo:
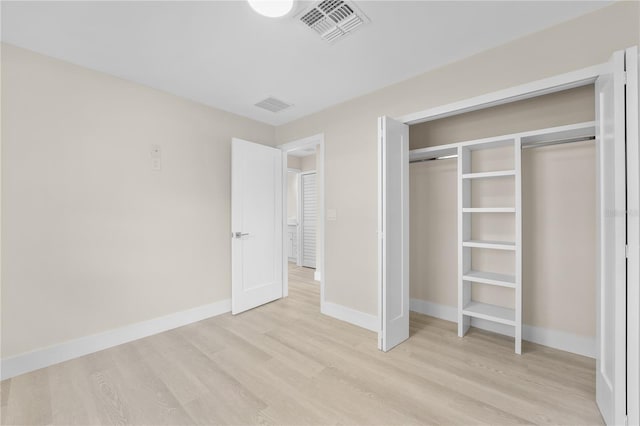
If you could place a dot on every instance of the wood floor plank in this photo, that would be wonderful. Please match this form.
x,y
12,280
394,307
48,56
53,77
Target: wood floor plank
x,y
504,369
5,388
29,402
105,387
285,363
182,380
148,398
70,403
285,404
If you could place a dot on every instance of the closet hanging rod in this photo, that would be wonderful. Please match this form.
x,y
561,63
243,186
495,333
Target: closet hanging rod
x,y
558,142
444,157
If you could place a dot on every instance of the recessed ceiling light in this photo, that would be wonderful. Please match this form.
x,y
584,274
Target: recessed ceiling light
x,y
271,8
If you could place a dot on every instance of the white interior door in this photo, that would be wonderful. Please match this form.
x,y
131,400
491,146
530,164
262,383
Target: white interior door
x,y
611,264
256,225
308,197
393,232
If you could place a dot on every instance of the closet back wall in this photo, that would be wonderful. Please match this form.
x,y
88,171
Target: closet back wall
x,y
559,220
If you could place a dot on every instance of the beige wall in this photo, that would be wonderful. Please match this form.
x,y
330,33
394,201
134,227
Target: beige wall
x,y
304,164
292,197
350,130
308,163
93,239
558,213
294,162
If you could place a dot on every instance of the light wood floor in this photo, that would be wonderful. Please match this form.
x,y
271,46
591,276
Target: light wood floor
x,y
285,363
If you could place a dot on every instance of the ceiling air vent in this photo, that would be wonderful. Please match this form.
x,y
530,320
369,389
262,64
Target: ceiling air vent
x,y
333,19
273,104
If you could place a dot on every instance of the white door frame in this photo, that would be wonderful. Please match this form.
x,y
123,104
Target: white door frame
x,y
311,141
633,241
578,78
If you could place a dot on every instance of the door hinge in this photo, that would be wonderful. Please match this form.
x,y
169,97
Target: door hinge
x,y
624,77
626,251
380,235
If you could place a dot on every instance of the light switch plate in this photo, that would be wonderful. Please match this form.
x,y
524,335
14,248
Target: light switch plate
x,y
156,155
156,152
332,214
156,164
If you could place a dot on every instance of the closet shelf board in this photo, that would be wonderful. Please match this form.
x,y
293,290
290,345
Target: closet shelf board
x,y
489,312
497,143
497,245
490,278
499,173
489,210
527,138
432,152
563,132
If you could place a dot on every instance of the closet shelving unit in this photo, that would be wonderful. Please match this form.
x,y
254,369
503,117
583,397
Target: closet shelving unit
x,y
467,276
467,307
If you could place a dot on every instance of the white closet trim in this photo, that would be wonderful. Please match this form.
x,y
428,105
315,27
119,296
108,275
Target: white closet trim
x,y
633,232
533,89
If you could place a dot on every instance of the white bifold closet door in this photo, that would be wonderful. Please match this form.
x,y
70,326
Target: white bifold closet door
x,y
309,209
611,264
393,232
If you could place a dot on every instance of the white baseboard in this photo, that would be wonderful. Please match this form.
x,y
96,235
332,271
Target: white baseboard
x,y
569,342
40,358
444,312
316,275
361,319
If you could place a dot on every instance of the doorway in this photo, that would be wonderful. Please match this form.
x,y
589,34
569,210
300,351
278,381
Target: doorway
x,y
303,207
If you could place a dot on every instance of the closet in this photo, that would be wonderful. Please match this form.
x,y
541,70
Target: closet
x,y
491,187
308,218
480,257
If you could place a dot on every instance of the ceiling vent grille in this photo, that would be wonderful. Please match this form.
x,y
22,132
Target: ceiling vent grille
x,y
273,104
333,19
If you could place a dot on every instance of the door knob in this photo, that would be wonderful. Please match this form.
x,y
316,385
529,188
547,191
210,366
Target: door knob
x,y
240,234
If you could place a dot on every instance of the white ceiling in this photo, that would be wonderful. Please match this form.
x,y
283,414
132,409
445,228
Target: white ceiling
x,y
223,54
